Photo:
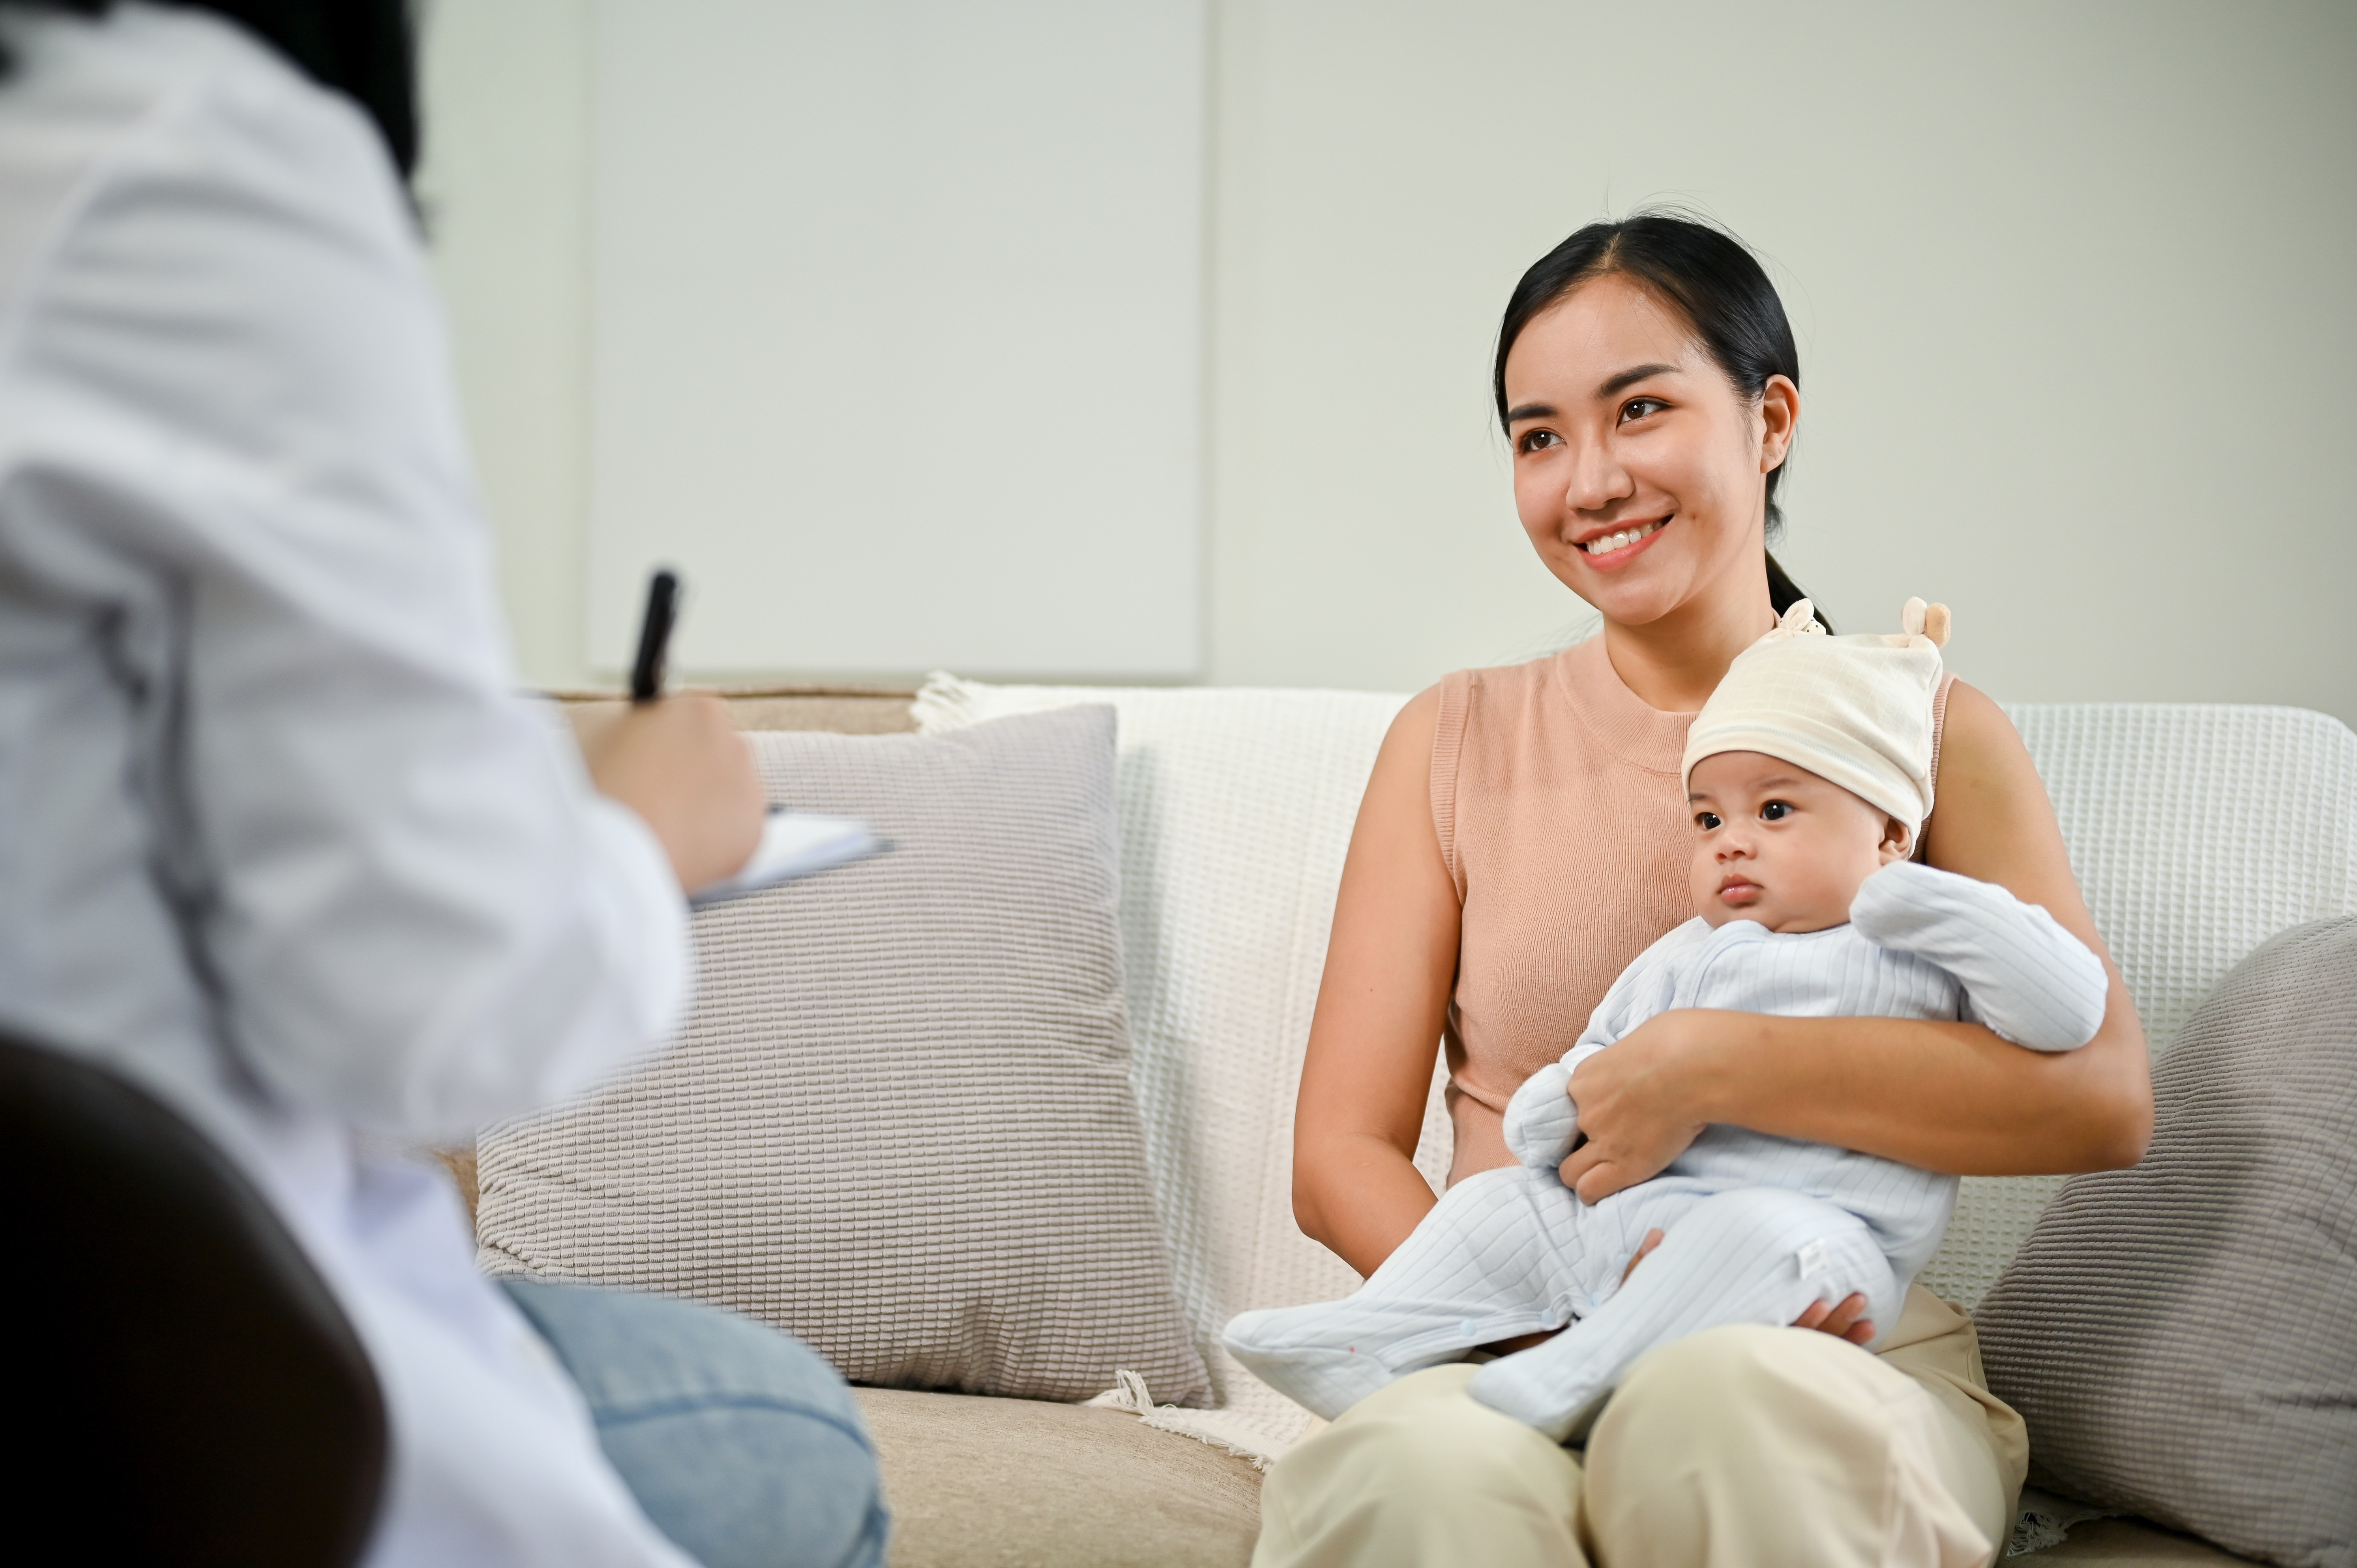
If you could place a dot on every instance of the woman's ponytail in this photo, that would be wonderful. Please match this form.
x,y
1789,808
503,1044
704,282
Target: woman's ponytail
x,y
1783,593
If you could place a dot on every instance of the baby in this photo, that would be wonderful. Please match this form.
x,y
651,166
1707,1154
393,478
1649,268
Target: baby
x,y
1809,774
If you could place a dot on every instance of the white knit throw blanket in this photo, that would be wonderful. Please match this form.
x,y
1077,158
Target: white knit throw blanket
x,y
1235,807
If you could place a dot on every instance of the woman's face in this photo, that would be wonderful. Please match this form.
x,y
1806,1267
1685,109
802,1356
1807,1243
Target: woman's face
x,y
1640,472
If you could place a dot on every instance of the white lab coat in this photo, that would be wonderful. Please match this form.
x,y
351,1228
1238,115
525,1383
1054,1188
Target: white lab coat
x,y
278,838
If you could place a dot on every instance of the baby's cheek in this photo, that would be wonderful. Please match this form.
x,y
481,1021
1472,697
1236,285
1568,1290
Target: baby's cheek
x,y
1795,873
1702,879
1842,862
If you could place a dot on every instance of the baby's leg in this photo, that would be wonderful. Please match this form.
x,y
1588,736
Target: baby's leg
x,y
1753,1255
1491,1260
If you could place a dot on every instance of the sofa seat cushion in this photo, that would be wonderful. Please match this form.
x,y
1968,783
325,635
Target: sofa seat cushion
x,y
2132,1544
973,1481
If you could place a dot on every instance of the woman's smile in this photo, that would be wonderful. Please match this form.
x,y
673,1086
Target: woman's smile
x,y
1618,546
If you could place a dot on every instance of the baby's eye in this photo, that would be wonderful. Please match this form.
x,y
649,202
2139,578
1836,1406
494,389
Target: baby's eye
x,y
1706,821
1775,811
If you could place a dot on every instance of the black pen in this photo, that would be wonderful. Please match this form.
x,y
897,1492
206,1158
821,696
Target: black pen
x,y
654,636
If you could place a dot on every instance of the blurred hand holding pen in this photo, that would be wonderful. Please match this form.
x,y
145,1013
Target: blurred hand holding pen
x,y
681,764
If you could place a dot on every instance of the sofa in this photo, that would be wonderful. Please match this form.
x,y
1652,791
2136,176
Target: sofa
x,y
977,1480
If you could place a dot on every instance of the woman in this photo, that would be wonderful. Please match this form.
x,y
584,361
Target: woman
x,y
1522,839
278,840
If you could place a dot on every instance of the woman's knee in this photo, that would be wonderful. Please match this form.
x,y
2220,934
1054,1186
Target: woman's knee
x,y
1420,1472
1425,1434
743,1444
1693,1384
1748,1398
1805,1449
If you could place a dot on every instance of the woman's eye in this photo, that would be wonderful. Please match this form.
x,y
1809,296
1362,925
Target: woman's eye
x,y
1533,440
1706,821
1641,408
1775,811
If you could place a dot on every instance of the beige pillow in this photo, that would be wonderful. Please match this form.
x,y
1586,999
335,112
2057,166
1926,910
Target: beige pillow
x,y
899,1124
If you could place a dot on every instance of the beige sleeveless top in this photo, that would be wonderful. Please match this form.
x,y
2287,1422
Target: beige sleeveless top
x,y
1556,792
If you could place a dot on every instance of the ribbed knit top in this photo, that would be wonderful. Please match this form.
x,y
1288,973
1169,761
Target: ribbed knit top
x,y
1556,793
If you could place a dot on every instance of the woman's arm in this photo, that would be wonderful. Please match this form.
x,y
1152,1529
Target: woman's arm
x,y
1389,966
1947,1097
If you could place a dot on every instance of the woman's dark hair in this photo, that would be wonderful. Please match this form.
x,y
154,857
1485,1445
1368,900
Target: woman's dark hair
x,y
1705,275
362,48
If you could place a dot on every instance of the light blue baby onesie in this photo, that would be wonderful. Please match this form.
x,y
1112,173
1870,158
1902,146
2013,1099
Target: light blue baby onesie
x,y
1756,1227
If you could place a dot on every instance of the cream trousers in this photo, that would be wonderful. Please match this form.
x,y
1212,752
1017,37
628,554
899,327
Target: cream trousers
x,y
1740,1447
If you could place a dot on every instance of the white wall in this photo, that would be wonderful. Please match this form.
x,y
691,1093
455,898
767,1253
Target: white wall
x,y
896,311
2080,353
506,188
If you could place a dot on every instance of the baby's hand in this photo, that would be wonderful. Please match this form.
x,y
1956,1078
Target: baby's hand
x,y
1541,1123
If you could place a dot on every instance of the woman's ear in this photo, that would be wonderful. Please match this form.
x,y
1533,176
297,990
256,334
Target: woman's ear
x,y
1780,412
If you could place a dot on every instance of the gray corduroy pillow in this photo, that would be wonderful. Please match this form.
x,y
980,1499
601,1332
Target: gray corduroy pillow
x,y
899,1124
2183,1336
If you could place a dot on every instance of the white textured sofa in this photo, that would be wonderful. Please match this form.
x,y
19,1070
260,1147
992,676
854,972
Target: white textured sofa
x,y
2196,832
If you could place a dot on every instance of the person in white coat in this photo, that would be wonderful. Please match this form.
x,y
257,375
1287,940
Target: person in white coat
x,y
280,841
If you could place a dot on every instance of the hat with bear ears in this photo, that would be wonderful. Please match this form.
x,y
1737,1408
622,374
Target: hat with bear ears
x,y
1855,709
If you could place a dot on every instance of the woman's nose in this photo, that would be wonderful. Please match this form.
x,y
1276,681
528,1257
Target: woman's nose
x,y
1598,479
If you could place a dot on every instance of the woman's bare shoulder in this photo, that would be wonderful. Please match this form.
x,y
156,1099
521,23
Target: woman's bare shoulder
x,y
1991,818
1981,752
1416,724
1974,716
1400,789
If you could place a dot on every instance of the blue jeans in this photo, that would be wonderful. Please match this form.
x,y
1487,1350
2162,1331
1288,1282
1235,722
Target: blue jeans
x,y
742,1445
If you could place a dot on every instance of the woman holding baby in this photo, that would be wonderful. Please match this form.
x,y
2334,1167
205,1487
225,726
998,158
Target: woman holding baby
x,y
1526,835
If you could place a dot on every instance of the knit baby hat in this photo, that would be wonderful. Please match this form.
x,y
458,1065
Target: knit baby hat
x,y
1856,710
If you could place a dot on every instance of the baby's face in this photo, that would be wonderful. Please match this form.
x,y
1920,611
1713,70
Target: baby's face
x,y
1779,844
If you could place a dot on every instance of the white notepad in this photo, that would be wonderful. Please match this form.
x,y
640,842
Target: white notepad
x,y
796,843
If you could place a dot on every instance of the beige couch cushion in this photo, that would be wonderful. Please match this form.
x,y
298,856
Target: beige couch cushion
x,y
2123,1544
990,1483
998,1482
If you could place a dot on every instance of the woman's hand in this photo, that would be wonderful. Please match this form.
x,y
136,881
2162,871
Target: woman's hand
x,y
682,765
1637,1105
1846,1321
